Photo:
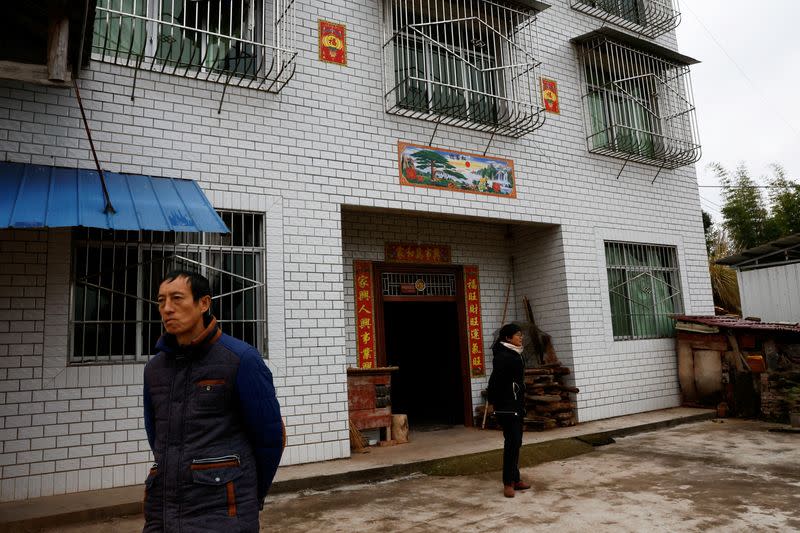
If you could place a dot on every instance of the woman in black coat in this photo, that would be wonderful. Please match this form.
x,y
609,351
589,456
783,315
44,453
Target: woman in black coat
x,y
507,395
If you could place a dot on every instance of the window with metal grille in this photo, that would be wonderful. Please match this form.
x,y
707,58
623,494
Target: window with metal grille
x,y
116,275
637,106
650,18
245,42
469,63
644,289
423,284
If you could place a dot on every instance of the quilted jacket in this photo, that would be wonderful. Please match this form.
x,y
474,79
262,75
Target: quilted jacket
x,y
215,428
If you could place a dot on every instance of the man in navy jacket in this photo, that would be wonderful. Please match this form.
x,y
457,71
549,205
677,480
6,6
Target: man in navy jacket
x,y
212,419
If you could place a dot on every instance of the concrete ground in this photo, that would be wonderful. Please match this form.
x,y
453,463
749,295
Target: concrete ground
x,y
458,450
729,475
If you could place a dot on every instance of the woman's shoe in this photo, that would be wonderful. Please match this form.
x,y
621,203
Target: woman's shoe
x,y
508,491
521,485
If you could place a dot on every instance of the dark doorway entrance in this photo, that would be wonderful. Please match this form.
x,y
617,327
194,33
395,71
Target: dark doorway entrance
x,y
423,339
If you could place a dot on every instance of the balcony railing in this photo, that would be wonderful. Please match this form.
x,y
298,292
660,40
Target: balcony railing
x,y
649,18
638,104
247,43
471,64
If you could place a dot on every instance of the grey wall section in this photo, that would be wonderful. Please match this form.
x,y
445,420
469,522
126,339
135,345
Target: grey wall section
x,y
772,293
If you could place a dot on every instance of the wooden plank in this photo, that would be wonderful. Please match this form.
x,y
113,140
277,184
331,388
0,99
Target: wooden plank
x,y
686,371
379,370
538,371
543,398
57,46
13,70
361,396
696,328
371,419
565,388
741,362
702,341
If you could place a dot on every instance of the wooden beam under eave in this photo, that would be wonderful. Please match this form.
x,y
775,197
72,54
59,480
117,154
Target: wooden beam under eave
x,y
57,48
13,70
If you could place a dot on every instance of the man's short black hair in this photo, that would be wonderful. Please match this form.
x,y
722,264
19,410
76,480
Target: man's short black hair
x,y
197,282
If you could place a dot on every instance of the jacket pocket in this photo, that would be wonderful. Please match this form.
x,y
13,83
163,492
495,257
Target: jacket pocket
x,y
210,395
219,472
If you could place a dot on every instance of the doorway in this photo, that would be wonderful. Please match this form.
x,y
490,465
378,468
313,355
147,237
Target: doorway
x,y
422,340
421,329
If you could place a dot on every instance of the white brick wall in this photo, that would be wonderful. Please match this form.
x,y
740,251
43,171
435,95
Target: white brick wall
x,y
64,429
300,157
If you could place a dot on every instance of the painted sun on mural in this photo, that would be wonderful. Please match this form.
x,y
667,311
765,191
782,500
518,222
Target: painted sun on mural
x,y
425,166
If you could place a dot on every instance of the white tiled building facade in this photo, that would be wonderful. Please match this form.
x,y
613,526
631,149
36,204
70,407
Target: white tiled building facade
x,y
319,161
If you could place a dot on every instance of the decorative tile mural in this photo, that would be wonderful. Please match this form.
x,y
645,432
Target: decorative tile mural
x,y
439,168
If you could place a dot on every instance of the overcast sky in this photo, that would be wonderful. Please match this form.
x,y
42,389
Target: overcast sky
x,y
747,86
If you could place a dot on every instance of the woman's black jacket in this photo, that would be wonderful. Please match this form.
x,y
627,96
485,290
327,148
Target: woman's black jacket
x,y
506,390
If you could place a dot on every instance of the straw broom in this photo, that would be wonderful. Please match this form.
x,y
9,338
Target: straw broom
x,y
357,440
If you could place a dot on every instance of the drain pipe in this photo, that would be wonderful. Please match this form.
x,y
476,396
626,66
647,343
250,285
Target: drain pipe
x,y
109,208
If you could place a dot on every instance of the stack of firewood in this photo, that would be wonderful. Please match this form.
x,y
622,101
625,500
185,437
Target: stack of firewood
x,y
548,401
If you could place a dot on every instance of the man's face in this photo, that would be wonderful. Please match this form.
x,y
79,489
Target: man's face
x,y
181,313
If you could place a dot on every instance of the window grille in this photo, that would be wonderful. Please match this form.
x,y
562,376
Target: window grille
x,y
248,43
117,274
393,284
650,18
467,63
644,289
637,106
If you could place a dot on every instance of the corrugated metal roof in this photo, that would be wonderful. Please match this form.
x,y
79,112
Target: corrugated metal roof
x,y
780,250
39,196
738,323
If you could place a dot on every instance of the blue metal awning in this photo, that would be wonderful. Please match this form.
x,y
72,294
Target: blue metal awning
x,y
39,196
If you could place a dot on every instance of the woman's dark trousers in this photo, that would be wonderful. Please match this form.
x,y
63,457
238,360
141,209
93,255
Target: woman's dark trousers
x,y
512,433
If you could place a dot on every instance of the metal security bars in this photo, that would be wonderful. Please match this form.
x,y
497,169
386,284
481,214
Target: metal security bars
x,y
395,284
644,289
116,275
650,18
249,43
637,106
466,63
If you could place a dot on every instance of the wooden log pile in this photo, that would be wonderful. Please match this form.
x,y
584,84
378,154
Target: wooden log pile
x,y
548,400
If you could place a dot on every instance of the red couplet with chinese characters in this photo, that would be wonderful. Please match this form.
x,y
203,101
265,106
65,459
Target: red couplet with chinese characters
x,y
365,324
474,326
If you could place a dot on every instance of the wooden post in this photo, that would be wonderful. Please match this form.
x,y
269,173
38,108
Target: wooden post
x,y
57,47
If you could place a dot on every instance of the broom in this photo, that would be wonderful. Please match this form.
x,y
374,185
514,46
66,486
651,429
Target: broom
x,y
503,321
357,440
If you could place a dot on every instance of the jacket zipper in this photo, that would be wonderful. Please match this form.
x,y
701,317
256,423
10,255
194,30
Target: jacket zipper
x,y
220,459
186,395
165,477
